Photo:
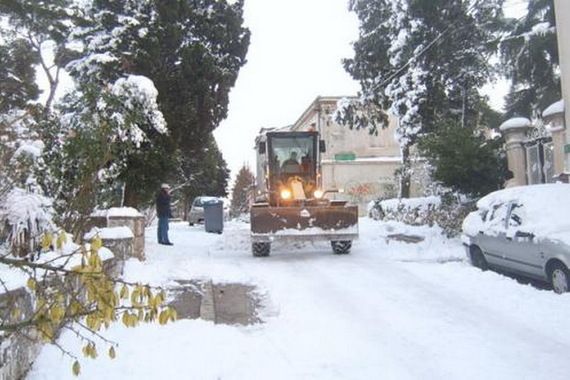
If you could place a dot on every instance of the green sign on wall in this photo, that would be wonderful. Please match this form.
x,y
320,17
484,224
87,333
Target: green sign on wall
x,y
567,148
345,157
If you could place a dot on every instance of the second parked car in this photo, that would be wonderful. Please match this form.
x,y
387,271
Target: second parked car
x,y
525,230
196,214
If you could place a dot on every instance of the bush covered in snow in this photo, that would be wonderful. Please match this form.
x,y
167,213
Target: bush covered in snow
x,y
447,211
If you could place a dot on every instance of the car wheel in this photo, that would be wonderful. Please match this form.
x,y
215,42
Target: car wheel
x,y
341,247
478,259
260,249
559,277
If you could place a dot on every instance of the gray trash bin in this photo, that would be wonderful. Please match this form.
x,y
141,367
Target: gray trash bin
x,y
214,216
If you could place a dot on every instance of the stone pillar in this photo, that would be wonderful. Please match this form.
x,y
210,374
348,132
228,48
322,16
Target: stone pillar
x,y
136,225
514,131
562,12
118,217
553,117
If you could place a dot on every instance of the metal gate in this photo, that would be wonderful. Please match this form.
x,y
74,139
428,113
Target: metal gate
x,y
539,156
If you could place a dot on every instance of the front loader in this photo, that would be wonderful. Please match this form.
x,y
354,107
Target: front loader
x,y
290,203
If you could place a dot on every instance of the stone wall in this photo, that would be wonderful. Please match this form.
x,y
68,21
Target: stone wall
x,y
18,352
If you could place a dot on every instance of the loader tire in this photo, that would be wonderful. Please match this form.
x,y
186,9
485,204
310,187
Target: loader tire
x,y
341,247
260,249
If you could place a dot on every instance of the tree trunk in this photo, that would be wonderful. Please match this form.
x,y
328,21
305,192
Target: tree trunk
x,y
405,175
130,198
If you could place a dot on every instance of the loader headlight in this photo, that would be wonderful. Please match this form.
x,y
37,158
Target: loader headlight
x,y
285,194
318,194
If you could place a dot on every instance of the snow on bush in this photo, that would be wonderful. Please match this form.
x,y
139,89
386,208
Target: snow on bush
x,y
26,216
447,211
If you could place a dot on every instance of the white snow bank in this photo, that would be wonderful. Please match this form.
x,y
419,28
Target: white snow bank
x,y
554,108
110,233
67,257
514,123
117,212
421,203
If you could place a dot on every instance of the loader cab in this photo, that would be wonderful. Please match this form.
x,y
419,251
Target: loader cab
x,y
292,155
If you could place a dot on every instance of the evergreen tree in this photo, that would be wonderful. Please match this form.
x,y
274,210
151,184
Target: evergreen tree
x,y
423,62
89,148
242,191
465,161
205,174
530,60
18,77
44,26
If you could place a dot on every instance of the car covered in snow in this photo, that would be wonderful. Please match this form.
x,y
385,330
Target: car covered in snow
x,y
523,230
196,214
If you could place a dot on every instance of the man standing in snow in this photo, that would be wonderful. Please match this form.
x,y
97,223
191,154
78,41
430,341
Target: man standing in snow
x,y
164,213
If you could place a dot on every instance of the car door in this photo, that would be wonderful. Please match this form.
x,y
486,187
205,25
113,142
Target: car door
x,y
523,252
492,239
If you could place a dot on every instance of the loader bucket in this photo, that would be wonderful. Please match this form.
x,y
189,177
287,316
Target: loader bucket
x,y
304,223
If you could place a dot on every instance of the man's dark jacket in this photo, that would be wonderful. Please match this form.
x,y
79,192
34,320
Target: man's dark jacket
x,y
163,205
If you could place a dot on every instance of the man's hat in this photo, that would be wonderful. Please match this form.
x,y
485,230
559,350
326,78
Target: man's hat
x,y
165,186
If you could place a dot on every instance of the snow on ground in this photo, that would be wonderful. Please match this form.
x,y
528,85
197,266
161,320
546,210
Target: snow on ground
x,y
389,310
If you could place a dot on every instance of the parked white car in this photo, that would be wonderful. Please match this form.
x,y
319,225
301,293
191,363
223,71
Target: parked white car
x,y
524,230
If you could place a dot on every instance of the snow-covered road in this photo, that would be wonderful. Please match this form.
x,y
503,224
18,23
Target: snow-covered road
x,y
389,310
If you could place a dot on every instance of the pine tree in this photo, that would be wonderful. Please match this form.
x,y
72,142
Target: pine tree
x,y
423,62
241,192
465,160
192,51
205,174
529,54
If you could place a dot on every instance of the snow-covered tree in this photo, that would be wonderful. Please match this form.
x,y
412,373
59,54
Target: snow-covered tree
x,y
241,193
192,51
89,147
529,53
421,61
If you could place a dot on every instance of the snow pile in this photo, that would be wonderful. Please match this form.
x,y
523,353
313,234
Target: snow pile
x,y
117,212
109,233
422,204
69,256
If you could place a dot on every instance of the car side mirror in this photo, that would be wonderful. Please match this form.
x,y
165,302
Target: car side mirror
x,y
261,147
322,146
523,234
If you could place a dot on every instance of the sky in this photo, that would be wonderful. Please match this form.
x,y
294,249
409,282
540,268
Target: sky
x,y
294,56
